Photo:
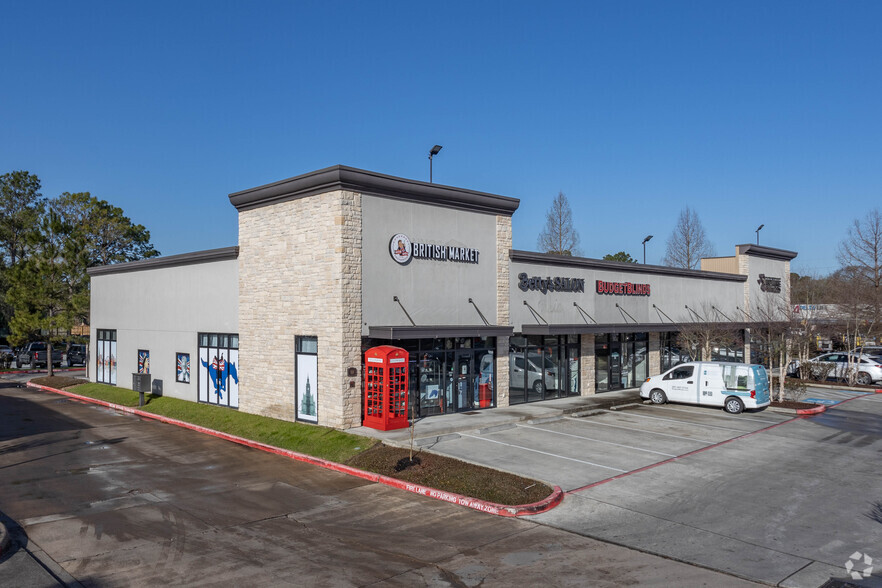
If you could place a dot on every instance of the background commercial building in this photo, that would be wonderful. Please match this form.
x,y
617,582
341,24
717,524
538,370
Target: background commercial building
x,y
336,261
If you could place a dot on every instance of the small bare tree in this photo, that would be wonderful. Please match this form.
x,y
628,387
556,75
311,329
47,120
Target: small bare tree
x,y
705,332
688,242
559,236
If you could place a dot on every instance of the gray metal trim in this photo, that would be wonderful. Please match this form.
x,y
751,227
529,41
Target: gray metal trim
x,y
340,177
602,264
767,252
208,256
580,329
438,331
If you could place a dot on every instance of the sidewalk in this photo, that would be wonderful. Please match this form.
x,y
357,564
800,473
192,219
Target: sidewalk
x,y
428,429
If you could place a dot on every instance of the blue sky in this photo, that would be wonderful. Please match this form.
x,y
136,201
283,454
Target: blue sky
x,y
749,112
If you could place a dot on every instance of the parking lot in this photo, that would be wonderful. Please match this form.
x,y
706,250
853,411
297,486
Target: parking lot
x,y
767,496
576,451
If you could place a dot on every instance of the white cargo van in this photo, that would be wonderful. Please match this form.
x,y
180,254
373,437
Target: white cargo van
x,y
734,386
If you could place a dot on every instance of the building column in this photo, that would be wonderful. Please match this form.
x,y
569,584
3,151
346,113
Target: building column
x,y
503,378
747,346
588,386
654,354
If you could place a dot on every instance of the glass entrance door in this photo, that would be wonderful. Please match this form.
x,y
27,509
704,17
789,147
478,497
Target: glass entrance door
x,y
464,381
615,365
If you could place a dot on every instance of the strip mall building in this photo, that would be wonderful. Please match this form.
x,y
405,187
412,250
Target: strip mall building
x,y
337,261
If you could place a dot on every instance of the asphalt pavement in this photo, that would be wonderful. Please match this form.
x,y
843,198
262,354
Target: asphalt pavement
x,y
98,498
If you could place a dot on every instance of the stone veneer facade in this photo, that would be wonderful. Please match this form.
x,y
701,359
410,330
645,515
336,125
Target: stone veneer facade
x,y
281,297
503,312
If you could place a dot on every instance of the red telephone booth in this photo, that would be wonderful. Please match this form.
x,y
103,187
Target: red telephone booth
x,y
385,388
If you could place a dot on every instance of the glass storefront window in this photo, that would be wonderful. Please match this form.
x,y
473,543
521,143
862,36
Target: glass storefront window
x,y
542,368
621,360
449,375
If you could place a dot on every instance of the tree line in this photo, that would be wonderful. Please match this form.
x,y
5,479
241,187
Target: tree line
x,y
46,246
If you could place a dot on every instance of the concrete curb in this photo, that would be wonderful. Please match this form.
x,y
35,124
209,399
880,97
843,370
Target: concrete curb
x,y
548,503
801,411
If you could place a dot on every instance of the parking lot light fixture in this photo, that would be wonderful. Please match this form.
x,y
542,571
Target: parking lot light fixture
x,y
757,233
432,153
648,237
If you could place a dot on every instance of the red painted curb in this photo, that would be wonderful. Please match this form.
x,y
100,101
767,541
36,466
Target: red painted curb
x,y
544,505
816,410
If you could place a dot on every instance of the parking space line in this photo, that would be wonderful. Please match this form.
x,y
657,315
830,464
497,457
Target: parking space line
x,y
646,416
582,420
724,415
597,440
689,454
542,452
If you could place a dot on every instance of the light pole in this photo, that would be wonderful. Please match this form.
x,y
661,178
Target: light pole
x,y
648,237
757,233
434,151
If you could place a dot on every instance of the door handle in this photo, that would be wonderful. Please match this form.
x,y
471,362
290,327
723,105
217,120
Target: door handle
x,y
690,382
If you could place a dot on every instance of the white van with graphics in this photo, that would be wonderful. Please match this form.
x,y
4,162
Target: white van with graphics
x,y
734,386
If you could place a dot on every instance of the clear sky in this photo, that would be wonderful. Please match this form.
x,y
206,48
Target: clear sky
x,y
749,112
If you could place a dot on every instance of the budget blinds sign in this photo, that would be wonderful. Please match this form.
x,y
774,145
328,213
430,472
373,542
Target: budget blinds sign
x,y
403,251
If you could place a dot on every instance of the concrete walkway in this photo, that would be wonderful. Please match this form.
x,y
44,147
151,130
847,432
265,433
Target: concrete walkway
x,y
427,430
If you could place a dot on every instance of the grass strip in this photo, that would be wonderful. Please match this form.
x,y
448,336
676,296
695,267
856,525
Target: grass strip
x,y
312,440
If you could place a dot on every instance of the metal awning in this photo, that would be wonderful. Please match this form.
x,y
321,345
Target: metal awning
x,y
438,331
583,328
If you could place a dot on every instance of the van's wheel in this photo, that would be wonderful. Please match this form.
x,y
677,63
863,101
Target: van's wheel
x,y
864,379
539,387
733,405
658,397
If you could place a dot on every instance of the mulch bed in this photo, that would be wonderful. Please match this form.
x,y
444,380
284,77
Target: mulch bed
x,y
451,475
793,404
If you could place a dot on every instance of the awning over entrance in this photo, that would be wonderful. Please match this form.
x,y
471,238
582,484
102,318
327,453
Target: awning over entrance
x,y
578,329
439,331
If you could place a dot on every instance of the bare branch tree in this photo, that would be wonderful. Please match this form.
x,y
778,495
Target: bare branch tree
x,y
688,242
559,236
860,254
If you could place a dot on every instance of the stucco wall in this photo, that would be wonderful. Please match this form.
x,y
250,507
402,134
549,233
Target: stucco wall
x,y
162,310
670,294
434,292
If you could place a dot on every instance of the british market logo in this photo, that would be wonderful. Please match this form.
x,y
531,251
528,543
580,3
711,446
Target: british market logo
x,y
403,250
400,248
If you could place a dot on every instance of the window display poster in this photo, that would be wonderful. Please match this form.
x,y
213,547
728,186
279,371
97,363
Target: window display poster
x,y
307,388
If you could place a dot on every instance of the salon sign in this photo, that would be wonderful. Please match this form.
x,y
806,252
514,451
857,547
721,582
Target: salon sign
x,y
403,250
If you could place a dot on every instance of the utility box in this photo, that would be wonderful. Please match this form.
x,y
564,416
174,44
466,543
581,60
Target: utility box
x,y
141,385
385,388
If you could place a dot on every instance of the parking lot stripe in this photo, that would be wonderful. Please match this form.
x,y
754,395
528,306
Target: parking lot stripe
x,y
724,415
694,452
542,452
597,440
646,416
582,420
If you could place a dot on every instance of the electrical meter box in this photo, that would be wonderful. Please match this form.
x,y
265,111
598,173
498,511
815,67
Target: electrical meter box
x,y
385,388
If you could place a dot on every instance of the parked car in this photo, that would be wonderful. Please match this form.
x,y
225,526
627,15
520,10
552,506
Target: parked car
x,y
76,355
871,350
534,372
34,355
6,355
836,366
734,386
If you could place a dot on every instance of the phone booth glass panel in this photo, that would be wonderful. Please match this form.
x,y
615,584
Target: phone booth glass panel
x,y
385,388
